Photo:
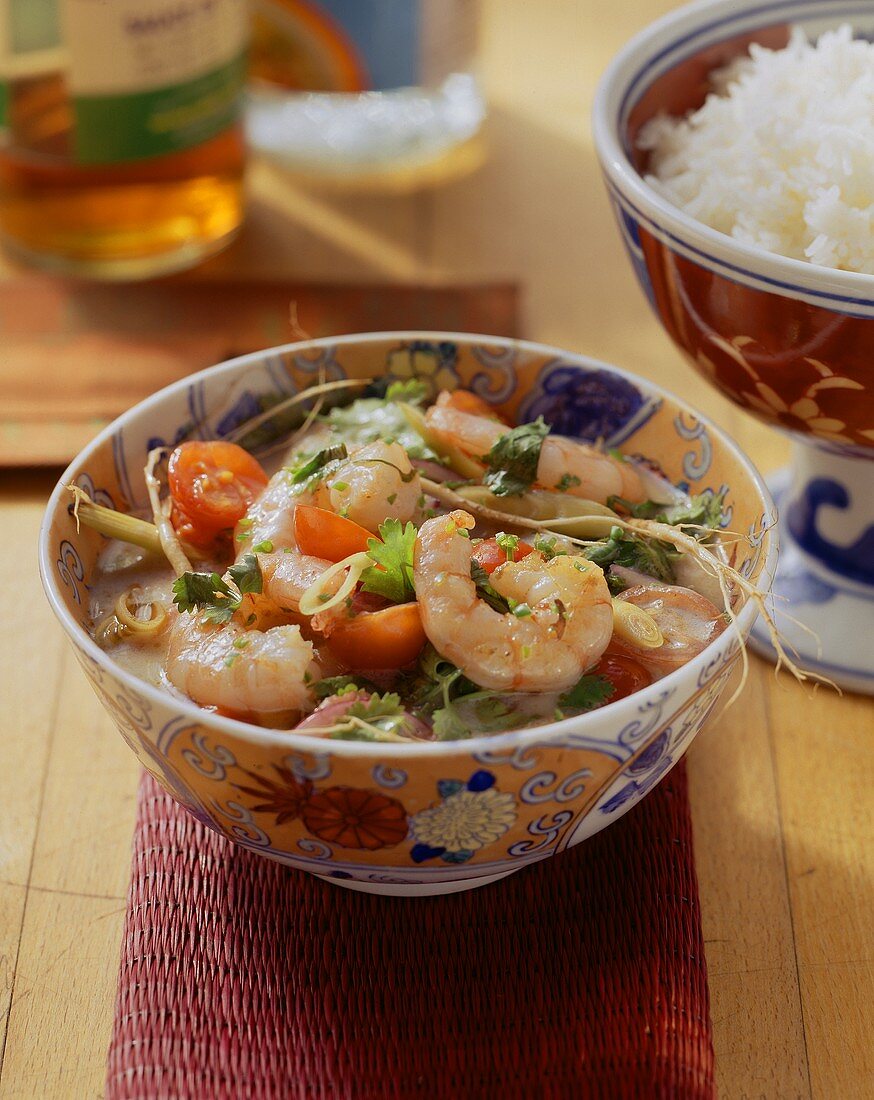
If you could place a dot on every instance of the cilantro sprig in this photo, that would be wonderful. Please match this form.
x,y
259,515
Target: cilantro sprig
x,y
703,510
209,593
442,693
589,692
391,575
512,461
634,552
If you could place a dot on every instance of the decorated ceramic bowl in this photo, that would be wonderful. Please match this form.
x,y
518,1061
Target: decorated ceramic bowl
x,y
791,342
422,818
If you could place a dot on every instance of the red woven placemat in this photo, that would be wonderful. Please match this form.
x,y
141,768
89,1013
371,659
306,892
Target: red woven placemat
x,y
582,976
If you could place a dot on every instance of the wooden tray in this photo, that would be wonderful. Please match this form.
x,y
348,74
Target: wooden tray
x,y
75,355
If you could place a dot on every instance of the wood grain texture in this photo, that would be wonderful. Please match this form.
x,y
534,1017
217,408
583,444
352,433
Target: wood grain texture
x,y
780,783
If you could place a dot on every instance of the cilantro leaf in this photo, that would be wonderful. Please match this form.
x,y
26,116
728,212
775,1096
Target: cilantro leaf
x,y
394,580
207,592
340,685
246,574
377,706
634,552
448,726
433,682
703,510
588,693
384,714
512,461
317,462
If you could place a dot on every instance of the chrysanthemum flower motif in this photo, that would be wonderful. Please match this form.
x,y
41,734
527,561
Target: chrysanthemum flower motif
x,y
433,364
355,818
802,415
466,821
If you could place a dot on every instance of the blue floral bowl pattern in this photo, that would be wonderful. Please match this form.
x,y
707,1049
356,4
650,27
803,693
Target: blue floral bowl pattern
x,y
423,818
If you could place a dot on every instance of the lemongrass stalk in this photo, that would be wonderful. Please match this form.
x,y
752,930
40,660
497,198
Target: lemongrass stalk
x,y
170,543
114,525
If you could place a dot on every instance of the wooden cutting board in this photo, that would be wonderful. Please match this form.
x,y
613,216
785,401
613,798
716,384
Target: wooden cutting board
x,y
75,355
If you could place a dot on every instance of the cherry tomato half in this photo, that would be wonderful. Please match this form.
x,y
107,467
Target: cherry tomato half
x,y
326,535
212,485
490,555
625,673
390,638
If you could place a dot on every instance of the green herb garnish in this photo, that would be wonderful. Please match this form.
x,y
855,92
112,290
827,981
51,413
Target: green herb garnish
x,y
589,692
509,544
703,510
545,545
512,462
394,580
207,592
411,390
484,588
317,462
567,481
634,552
341,685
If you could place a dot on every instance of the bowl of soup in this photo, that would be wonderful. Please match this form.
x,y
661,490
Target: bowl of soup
x,y
409,611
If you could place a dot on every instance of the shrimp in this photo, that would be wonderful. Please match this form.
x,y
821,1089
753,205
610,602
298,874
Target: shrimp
x,y
244,670
375,483
259,662
582,470
270,518
569,626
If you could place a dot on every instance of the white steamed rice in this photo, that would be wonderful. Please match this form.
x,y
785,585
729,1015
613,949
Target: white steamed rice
x,y
782,155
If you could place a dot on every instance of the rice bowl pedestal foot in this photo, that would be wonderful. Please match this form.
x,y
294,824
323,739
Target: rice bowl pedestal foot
x,y
824,586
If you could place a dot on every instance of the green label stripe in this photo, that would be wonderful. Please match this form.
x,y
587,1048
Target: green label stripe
x,y
115,128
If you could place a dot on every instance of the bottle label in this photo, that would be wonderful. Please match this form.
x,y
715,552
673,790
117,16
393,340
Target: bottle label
x,y
150,77
30,43
363,45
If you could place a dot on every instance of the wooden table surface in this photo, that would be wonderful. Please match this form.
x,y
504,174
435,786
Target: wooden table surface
x,y
781,784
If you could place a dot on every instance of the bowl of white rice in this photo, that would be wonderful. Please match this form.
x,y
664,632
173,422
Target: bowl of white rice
x,y
736,139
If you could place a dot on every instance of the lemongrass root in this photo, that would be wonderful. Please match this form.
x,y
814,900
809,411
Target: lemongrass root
x,y
113,524
727,575
297,399
170,543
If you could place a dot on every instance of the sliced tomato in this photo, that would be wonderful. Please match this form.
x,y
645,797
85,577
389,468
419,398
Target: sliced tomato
x,y
387,639
326,535
625,673
212,485
688,621
490,555
468,402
